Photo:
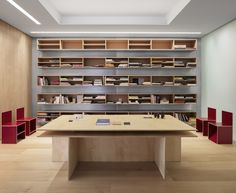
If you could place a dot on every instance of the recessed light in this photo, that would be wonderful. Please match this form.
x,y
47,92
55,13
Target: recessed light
x,y
75,32
23,11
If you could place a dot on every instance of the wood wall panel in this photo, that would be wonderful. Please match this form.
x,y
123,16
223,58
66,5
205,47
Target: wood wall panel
x,y
15,69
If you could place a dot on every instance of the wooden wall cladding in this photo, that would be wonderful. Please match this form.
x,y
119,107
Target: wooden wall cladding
x,y
15,69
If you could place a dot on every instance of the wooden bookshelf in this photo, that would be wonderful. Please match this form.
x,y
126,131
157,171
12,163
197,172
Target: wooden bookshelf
x,y
117,44
134,62
95,44
162,44
116,76
71,44
139,44
49,44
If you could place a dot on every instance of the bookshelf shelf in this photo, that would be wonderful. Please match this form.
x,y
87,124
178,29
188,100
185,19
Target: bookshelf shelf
x,y
117,44
107,76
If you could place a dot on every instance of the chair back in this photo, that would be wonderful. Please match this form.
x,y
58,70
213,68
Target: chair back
x,y
6,117
211,113
227,118
20,113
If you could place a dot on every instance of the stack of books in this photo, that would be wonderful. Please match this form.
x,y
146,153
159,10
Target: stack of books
x,y
180,46
87,83
135,64
66,65
169,83
97,82
164,100
191,64
79,98
123,65
179,64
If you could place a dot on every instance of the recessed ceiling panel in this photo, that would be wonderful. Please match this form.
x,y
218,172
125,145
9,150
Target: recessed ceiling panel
x,y
116,12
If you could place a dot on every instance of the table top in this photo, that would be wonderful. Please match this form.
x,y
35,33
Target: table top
x,y
137,123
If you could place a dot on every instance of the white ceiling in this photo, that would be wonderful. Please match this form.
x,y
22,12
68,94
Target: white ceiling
x,y
119,16
110,12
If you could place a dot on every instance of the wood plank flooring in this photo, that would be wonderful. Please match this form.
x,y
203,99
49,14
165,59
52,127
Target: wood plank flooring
x,y
205,168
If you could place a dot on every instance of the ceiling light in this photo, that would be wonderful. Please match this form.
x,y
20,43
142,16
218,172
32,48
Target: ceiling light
x,y
23,11
74,32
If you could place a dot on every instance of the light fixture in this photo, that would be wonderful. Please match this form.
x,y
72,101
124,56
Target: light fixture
x,y
23,11
76,32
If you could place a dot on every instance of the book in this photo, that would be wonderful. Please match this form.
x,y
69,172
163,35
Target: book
x,y
103,122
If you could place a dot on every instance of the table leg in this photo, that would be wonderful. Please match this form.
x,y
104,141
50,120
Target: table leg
x,y
72,156
60,149
160,155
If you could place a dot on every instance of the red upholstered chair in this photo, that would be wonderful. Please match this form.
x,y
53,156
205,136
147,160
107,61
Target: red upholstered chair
x,y
29,122
222,133
11,131
202,123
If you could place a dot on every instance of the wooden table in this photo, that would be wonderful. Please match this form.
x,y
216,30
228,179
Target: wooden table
x,y
145,139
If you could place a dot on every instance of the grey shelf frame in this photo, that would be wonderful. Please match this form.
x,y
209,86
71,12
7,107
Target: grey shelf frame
x,y
92,71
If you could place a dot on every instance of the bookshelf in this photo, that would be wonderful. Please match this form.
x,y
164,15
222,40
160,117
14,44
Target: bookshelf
x,y
117,44
108,76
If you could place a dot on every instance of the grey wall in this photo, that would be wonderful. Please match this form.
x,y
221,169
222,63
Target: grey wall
x,y
219,71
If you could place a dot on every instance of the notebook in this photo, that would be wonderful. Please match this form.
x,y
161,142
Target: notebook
x,y
103,122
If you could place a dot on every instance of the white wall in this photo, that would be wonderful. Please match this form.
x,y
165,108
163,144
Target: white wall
x,y
218,71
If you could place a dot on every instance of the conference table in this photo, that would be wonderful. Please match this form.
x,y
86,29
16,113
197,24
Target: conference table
x,y
127,138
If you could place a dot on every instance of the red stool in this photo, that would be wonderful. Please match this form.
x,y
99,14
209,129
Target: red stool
x,y
222,133
202,123
29,122
11,132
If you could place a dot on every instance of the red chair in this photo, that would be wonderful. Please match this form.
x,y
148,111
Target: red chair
x,y
222,133
11,132
29,122
202,123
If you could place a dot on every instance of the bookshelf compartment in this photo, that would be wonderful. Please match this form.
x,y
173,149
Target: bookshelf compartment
x,y
185,80
117,99
139,44
45,117
68,99
48,62
94,62
162,44
71,62
117,80
139,99
162,99
185,44
72,44
95,44
139,62
49,44
162,62
116,62
163,80
49,99
94,99
48,80
71,80
93,81
185,99
185,62
140,80
117,44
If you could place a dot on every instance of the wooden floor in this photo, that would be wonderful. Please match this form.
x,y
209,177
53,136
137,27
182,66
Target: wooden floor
x,y
205,168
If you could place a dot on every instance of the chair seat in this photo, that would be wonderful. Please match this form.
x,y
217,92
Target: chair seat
x,y
12,124
205,119
219,125
26,119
